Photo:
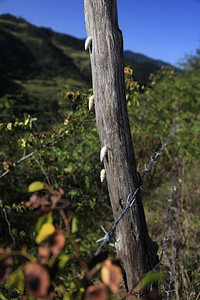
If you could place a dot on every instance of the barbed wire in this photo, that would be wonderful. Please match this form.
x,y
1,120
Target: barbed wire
x,y
170,200
175,195
131,200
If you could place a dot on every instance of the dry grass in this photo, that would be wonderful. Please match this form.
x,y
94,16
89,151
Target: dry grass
x,y
184,240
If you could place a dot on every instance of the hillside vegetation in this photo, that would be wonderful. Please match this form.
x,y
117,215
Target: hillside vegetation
x,y
37,63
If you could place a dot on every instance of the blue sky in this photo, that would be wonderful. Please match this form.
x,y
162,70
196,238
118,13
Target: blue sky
x,y
161,29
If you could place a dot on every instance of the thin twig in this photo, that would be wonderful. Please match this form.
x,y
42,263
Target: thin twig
x,y
22,252
74,244
9,226
43,170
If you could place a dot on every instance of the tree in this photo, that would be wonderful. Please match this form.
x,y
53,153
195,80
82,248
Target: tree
x,y
134,246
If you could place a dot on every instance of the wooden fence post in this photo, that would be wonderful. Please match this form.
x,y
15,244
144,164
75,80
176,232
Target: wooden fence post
x,y
134,246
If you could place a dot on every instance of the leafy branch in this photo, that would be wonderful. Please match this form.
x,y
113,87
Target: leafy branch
x,y
51,143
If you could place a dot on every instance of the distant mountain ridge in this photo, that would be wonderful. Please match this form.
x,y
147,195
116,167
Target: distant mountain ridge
x,y
37,63
144,65
28,51
141,58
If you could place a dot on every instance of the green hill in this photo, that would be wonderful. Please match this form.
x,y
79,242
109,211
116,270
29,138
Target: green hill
x,y
28,52
144,65
37,63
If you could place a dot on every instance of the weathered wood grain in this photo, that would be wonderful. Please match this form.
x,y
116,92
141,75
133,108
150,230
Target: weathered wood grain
x,y
135,247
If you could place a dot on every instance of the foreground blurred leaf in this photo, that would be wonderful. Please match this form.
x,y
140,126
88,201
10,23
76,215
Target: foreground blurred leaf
x,y
74,224
63,260
153,277
111,275
16,280
35,186
46,230
47,218
96,292
3,297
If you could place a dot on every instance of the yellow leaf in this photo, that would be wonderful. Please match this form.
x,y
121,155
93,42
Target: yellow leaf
x,y
68,169
67,132
26,121
66,121
23,144
9,126
46,230
35,186
46,218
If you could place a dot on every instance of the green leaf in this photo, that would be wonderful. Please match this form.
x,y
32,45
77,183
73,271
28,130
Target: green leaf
x,y
74,224
16,280
67,296
153,277
47,218
35,186
63,260
3,297
1,126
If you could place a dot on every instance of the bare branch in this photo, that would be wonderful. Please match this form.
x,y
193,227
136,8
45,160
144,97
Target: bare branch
x,y
9,226
43,170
